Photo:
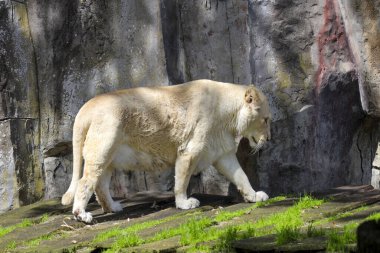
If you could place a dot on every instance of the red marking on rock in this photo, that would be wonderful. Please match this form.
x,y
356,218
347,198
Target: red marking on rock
x,y
333,43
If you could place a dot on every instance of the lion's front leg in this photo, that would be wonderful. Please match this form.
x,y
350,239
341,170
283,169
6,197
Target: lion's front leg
x,y
229,166
184,166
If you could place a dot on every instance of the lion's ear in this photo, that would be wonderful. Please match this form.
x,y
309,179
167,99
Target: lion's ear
x,y
252,96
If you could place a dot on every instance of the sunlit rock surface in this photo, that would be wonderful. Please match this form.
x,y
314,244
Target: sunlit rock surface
x,y
318,62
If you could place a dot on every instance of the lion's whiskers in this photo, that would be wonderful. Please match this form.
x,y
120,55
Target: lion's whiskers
x,y
258,146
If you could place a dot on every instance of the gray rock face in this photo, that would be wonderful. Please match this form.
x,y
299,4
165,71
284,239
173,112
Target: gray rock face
x,y
21,179
57,175
317,61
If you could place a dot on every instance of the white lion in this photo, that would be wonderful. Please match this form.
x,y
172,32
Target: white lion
x,y
189,126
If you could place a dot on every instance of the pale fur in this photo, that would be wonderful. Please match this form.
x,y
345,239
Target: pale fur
x,y
190,127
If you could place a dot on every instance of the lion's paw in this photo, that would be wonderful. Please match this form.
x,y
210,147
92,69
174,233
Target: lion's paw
x,y
187,203
116,207
83,216
256,197
261,196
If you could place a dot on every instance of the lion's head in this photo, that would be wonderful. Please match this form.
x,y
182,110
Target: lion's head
x,y
254,118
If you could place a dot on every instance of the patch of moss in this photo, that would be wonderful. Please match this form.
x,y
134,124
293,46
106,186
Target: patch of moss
x,y
23,224
284,79
305,63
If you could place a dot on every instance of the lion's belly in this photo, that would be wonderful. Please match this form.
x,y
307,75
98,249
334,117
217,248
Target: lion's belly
x,y
128,158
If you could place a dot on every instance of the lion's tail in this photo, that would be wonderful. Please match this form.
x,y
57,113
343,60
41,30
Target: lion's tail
x,y
79,135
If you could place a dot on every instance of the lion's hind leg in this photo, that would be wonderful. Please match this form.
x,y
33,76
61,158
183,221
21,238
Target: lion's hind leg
x,y
98,151
86,187
103,194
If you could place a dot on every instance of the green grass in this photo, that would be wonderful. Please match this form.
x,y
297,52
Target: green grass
x,y
337,241
38,240
226,238
228,215
128,237
314,232
341,215
23,224
12,245
375,216
291,217
131,240
200,233
133,229
269,201
44,218
194,229
286,224
197,230
288,234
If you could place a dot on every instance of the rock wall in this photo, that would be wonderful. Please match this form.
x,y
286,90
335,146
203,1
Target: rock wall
x,y
318,62
307,61
21,178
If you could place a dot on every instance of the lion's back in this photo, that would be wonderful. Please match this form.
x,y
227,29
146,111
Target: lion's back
x,y
158,120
